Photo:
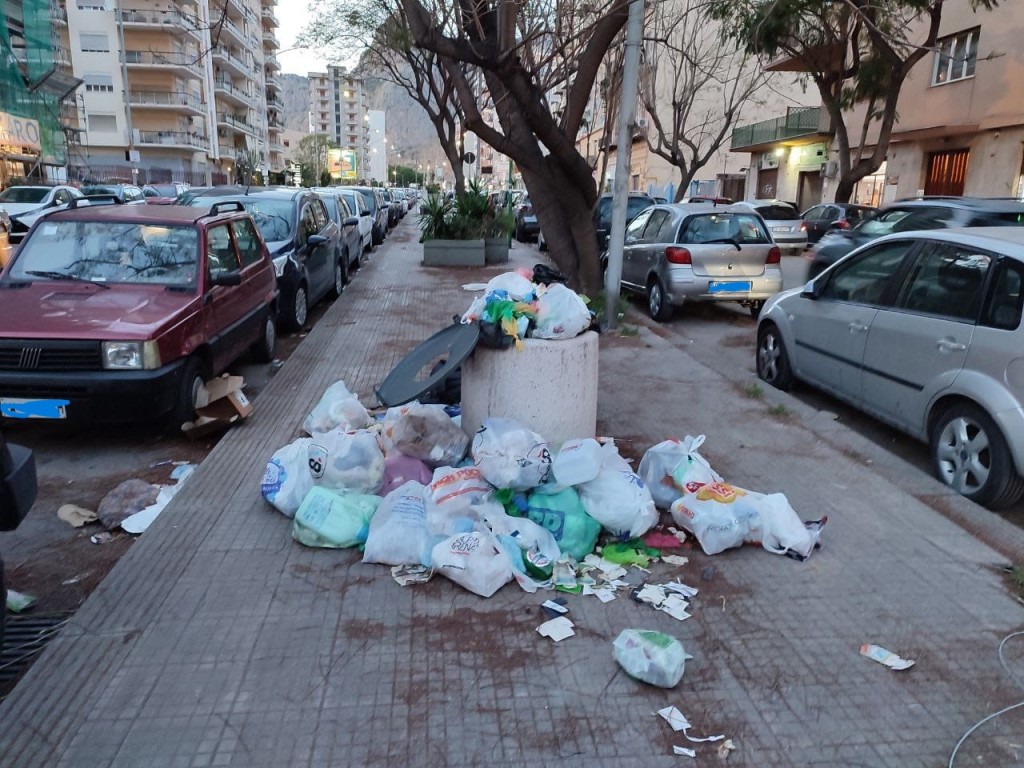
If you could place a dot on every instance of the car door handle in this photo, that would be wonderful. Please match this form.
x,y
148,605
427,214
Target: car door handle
x,y
948,345
856,327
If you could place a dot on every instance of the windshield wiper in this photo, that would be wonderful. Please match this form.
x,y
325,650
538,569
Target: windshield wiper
x,y
51,275
729,240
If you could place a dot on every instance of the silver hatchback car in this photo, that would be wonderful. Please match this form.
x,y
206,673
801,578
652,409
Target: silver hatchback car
x,y
921,330
699,252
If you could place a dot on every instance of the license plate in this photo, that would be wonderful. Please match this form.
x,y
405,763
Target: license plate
x,y
782,229
730,287
24,408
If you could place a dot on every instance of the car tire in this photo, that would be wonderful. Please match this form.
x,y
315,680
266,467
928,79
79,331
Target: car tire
x,y
297,309
771,358
658,306
264,347
971,456
377,239
192,378
340,276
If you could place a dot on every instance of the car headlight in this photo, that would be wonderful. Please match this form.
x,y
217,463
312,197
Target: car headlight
x,y
279,264
130,355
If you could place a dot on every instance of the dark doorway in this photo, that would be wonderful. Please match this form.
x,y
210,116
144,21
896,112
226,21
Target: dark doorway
x,y
809,193
733,185
767,183
947,172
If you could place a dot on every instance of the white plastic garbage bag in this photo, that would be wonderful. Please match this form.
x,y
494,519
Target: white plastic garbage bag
x,y
617,498
651,656
516,284
338,409
455,499
349,460
335,519
286,480
668,466
577,461
722,516
398,531
561,313
509,455
472,560
530,548
426,432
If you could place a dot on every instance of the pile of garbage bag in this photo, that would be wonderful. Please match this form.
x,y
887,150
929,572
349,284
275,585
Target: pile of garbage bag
x,y
520,304
410,488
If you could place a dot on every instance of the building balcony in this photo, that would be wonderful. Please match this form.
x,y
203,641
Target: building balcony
x,y
274,103
172,140
235,122
273,84
165,21
59,13
269,38
164,60
276,146
268,16
800,123
272,64
230,61
169,100
230,32
232,92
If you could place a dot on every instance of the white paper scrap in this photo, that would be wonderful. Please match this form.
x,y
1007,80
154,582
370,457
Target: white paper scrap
x,y
474,287
556,629
604,595
675,718
554,606
683,751
681,588
675,606
695,740
882,656
651,594
675,559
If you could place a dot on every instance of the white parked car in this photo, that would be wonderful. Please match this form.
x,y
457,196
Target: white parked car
x,y
25,204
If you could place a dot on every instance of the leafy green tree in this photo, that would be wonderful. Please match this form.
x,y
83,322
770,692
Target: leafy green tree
x,y
857,52
311,154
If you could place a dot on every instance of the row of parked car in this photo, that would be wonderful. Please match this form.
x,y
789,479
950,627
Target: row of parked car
x,y
119,311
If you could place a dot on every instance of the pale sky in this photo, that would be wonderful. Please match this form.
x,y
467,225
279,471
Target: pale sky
x,y
292,16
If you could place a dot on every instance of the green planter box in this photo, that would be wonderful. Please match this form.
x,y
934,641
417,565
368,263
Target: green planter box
x,y
453,253
496,250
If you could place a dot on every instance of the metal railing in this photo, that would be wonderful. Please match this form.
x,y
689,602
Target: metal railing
x,y
798,121
173,19
162,58
166,99
237,122
227,85
229,57
174,138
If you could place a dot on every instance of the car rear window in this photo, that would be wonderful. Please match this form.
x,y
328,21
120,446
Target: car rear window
x,y
109,252
165,190
633,206
23,195
906,220
724,228
777,213
274,218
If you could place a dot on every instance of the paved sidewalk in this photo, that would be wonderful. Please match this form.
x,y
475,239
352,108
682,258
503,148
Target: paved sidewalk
x,y
218,641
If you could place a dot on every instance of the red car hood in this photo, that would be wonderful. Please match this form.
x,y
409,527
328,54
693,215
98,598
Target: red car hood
x,y
57,310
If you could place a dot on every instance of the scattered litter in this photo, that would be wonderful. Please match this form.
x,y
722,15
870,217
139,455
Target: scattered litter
x,y
725,748
678,721
683,751
556,606
102,538
73,580
474,287
882,656
675,559
220,402
142,519
19,601
662,540
672,598
632,552
668,466
651,657
407,575
76,516
557,629
125,500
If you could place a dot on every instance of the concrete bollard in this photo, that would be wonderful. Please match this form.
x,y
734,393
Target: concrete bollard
x,y
548,386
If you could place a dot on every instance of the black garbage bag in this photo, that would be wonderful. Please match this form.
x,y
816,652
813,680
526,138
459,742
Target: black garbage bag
x,y
492,336
448,391
545,275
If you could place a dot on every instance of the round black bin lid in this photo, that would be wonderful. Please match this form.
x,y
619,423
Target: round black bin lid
x,y
422,369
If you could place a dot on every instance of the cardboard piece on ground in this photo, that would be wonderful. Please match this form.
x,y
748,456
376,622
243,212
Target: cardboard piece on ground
x,y
220,403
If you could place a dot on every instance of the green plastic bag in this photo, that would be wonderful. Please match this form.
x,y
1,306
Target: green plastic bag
x,y
330,518
563,514
632,552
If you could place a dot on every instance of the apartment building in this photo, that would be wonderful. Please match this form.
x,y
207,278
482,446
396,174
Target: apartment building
x,y
176,90
338,109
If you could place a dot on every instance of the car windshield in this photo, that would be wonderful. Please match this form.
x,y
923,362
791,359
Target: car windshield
x,y
109,252
724,228
777,213
633,206
165,190
370,198
23,195
273,217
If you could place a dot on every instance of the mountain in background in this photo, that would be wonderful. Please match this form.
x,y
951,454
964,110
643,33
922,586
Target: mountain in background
x,y
407,126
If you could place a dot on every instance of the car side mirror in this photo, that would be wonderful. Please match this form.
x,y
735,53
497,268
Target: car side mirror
x,y
18,485
366,213
812,290
351,221
234,277
316,240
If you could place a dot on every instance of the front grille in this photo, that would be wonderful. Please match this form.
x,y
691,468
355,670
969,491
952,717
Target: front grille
x,y
46,355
